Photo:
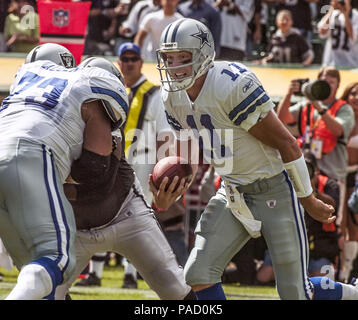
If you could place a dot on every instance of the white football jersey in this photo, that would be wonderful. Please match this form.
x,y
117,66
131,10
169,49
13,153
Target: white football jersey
x,y
44,106
340,50
231,101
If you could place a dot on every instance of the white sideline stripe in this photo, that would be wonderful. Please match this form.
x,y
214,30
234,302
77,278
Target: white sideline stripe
x,y
62,40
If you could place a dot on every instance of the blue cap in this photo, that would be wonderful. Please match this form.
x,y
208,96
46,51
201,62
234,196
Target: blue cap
x,y
128,46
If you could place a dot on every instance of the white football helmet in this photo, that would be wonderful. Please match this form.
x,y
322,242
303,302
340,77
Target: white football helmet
x,y
185,35
54,52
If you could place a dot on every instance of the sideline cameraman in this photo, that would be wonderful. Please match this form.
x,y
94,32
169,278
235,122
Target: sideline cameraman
x,y
327,130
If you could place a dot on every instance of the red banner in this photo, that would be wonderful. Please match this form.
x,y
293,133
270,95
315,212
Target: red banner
x,y
65,23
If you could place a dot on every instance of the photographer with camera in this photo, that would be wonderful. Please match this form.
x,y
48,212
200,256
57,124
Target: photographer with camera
x,y
324,123
340,27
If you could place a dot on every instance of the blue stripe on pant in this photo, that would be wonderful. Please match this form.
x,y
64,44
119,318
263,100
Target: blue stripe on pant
x,y
302,240
57,211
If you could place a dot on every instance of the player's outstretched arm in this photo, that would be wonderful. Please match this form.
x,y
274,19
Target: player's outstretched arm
x,y
273,133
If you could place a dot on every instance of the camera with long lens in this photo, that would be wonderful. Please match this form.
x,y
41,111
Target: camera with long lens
x,y
313,90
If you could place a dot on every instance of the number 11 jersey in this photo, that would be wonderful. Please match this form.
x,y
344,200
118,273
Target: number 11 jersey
x,y
231,101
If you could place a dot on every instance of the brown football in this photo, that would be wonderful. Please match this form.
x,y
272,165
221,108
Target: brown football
x,y
171,167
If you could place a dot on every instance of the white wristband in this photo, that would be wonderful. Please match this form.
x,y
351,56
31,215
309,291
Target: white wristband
x,y
298,173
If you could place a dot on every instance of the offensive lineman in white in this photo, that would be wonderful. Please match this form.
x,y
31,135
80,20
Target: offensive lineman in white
x,y
51,117
263,180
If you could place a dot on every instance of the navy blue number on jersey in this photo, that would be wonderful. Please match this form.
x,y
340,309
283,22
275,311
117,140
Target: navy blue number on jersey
x,y
216,147
51,89
231,74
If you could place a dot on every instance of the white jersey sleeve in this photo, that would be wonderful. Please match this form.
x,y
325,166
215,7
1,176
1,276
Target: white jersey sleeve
x,y
248,102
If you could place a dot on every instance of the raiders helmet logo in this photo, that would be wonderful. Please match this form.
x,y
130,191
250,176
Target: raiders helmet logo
x,y
67,60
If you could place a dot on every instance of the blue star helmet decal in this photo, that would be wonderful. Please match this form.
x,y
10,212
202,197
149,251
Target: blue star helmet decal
x,y
202,36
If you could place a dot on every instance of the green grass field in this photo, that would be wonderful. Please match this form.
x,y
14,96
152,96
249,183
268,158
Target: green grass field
x,y
112,282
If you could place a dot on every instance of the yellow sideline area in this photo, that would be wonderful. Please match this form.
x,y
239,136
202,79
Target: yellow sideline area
x,y
274,80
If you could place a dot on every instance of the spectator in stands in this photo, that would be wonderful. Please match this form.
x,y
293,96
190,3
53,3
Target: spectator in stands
x,y
235,16
21,29
340,27
4,7
129,28
287,44
153,25
103,26
301,14
256,38
350,251
207,14
324,125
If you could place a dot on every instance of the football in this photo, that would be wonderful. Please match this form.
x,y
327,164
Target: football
x,y
171,167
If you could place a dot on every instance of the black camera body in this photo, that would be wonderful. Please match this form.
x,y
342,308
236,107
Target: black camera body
x,y
313,90
301,83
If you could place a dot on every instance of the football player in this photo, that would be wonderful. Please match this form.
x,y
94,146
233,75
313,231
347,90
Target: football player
x,y
116,216
226,108
54,114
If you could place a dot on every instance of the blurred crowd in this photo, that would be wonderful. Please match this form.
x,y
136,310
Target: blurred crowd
x,y
262,31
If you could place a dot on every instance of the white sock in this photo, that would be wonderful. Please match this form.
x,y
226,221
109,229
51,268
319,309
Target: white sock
x,y
349,292
98,263
129,269
33,283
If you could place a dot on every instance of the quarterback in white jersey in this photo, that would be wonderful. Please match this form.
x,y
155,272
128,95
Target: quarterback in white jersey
x,y
52,116
340,29
265,177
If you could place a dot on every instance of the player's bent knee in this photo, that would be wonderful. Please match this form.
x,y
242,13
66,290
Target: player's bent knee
x,y
201,271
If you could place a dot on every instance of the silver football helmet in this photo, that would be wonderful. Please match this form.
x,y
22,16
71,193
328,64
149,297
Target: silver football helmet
x,y
185,35
103,64
54,52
